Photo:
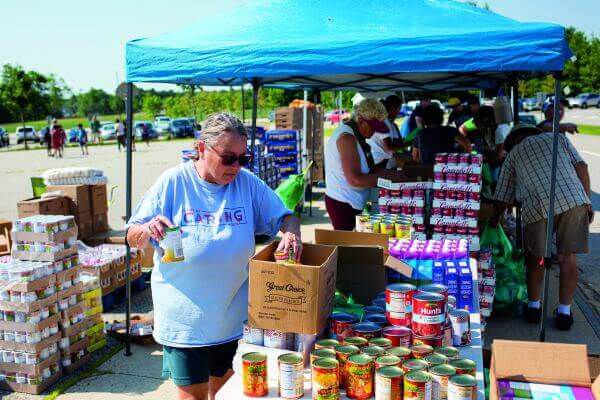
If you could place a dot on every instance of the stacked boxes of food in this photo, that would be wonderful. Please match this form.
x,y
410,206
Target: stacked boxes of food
x,y
487,284
107,262
80,204
284,145
408,200
265,166
92,306
456,197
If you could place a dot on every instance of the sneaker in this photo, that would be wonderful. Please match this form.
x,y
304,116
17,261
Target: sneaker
x,y
563,322
533,315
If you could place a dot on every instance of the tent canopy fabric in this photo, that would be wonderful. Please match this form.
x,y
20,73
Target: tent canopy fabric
x,y
369,45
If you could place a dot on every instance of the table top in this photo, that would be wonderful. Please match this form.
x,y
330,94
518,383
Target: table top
x,y
233,387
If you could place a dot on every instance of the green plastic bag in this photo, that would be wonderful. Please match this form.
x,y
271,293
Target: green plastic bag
x,y
487,181
291,190
496,240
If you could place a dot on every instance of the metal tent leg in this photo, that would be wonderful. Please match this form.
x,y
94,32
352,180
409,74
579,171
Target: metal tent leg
x,y
129,164
550,218
255,87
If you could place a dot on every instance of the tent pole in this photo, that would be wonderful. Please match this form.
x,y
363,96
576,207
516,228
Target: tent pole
x,y
550,217
255,87
243,105
303,155
516,121
515,98
129,133
317,101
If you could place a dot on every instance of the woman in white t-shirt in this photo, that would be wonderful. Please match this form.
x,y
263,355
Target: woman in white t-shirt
x,y
385,144
349,166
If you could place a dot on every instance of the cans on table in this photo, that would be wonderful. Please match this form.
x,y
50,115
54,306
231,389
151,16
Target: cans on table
x,y
359,383
440,375
378,319
417,386
254,374
291,376
461,327
399,335
327,344
388,383
434,288
252,335
448,351
403,353
435,359
172,245
428,314
389,360
447,338
367,330
367,310
317,354
398,298
357,341
414,365
462,387
342,354
464,366
382,342
325,379
433,341
420,351
340,325
275,339
373,351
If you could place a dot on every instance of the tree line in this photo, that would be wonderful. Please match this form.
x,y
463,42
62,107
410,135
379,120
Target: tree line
x,y
30,95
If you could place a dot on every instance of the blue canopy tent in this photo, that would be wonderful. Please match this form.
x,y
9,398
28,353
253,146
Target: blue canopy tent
x,y
367,45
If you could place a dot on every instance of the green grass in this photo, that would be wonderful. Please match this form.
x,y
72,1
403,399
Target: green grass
x,y
589,130
67,123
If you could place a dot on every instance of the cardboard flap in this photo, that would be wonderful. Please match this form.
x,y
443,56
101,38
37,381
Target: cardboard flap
x,y
360,272
550,363
347,238
399,266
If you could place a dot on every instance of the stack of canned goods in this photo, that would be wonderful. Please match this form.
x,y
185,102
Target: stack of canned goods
x,y
394,225
413,200
44,224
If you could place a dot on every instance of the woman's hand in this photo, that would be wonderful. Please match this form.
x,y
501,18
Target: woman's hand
x,y
139,235
291,241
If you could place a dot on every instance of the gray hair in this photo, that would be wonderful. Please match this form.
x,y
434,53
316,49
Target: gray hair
x,y
219,123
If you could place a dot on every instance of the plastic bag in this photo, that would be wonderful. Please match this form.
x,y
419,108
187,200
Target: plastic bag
x,y
496,240
291,191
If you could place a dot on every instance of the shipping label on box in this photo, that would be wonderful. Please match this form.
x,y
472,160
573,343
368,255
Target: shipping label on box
x,y
292,298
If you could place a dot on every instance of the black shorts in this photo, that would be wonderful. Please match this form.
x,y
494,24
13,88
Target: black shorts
x,y
192,365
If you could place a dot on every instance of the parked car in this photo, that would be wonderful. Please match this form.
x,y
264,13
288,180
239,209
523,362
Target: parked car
x,y
27,133
108,131
531,104
152,134
585,100
528,119
4,140
162,124
181,127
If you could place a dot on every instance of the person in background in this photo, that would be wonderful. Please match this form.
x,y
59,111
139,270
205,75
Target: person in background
x,y
95,129
547,126
120,134
385,145
146,133
482,134
58,137
474,104
416,118
47,137
200,303
459,115
350,169
525,178
434,138
82,138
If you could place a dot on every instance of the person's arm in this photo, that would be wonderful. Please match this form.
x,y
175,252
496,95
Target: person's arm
x,y
351,163
505,190
292,238
464,142
416,155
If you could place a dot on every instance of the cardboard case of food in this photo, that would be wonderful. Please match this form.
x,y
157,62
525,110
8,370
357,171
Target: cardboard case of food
x,y
79,195
58,205
293,297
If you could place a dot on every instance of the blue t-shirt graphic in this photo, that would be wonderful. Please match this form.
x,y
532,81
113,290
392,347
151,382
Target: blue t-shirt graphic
x,y
203,300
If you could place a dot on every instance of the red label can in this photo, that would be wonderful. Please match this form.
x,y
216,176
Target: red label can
x,y
383,209
398,300
464,159
474,178
474,231
434,341
438,229
418,211
340,326
367,330
435,288
450,230
439,194
451,195
447,212
451,177
395,193
476,159
462,178
419,194
429,314
474,197
407,210
438,176
461,196
452,158
461,230
436,211
400,336
384,193
471,213
395,209
419,228
459,212
441,158
407,194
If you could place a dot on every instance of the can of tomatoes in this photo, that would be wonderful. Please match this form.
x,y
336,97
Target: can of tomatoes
x,y
407,194
439,194
367,330
327,344
395,193
435,359
357,341
384,361
440,375
291,376
435,288
379,319
373,351
388,383
325,379
398,299
359,383
403,353
441,158
429,314
342,354
340,325
420,351
382,342
450,352
433,341
317,354
417,386
464,366
462,387
414,364
254,374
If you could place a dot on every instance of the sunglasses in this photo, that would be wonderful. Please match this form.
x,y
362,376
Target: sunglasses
x,y
230,159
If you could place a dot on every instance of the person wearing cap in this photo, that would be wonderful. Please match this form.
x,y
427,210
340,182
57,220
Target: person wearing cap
x,y
547,126
350,169
459,114
385,144
525,178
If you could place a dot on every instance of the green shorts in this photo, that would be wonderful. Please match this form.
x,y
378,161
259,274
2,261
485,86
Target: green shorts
x,y
192,365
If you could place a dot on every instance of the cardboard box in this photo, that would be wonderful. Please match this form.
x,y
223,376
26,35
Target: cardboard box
x,y
28,307
29,347
30,369
58,205
535,362
31,389
99,223
79,195
29,327
99,199
68,274
59,237
360,263
84,224
5,239
33,286
35,256
292,298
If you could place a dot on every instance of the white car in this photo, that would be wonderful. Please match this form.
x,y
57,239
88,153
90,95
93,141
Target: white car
x,y
585,100
162,124
27,133
108,131
414,103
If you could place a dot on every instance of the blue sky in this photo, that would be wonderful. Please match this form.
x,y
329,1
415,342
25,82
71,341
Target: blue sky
x,y
82,41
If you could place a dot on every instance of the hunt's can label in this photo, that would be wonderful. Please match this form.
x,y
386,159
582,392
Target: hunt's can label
x,y
429,314
325,379
388,383
172,245
398,299
254,374
291,376
462,387
359,370
417,386
252,335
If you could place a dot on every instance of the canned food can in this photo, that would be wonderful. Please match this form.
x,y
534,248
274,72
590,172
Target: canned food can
x,y
450,352
403,227
439,194
462,387
373,351
441,158
407,194
446,212
325,379
398,298
317,354
448,340
453,159
435,359
450,230
383,208
367,310
291,376
388,227
407,210
451,177
402,352
460,213
275,339
464,159
438,229
433,341
420,351
429,314
461,327
438,176
434,288
471,213
385,361
418,211
440,375
367,330
382,342
384,193
474,231
419,194
254,374
342,354
474,178
388,383
476,159
395,209
395,193
419,228
172,245
474,197
414,364
462,178
327,344
464,366
461,230
359,384
417,386
461,196
379,319
340,325
357,341
252,335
